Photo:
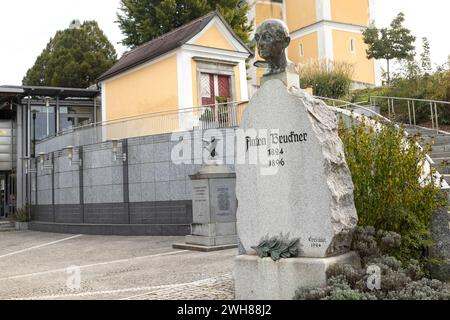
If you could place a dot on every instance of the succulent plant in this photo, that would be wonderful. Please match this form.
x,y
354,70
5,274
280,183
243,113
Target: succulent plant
x,y
277,248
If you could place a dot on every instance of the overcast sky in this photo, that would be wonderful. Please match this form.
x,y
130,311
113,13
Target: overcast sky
x,y
27,25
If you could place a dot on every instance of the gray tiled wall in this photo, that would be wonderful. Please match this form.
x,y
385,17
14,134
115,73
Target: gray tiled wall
x,y
159,190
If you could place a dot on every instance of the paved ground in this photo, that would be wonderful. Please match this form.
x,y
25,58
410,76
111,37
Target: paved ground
x,y
35,265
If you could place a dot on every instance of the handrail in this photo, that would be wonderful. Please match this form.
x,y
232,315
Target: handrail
x,y
433,104
179,111
444,185
410,99
354,105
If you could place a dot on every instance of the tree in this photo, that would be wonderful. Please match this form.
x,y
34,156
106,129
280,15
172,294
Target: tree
x,y
144,20
425,57
74,57
395,42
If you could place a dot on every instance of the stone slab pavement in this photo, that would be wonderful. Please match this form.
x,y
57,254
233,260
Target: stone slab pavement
x,y
47,266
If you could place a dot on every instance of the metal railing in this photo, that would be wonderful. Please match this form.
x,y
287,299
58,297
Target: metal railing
x,y
358,107
412,111
354,107
221,115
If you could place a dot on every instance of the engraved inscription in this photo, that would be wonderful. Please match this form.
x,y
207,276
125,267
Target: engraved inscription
x,y
223,199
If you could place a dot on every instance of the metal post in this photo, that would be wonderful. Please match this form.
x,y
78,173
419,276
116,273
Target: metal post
x,y
95,110
34,135
414,112
36,181
436,116
52,159
432,116
28,130
27,183
57,117
389,108
20,156
47,106
392,106
409,112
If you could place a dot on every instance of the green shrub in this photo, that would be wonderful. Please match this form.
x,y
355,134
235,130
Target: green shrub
x,y
388,187
327,78
430,87
398,281
22,214
412,82
363,95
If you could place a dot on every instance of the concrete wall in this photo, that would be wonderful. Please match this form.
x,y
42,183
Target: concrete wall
x,y
146,194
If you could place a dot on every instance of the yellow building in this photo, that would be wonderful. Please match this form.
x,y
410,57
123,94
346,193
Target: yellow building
x,y
176,74
322,29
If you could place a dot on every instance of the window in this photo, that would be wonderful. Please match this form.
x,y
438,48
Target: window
x,y
352,45
300,50
214,86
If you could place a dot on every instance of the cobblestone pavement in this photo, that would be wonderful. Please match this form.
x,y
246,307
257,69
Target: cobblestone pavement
x,y
43,266
218,288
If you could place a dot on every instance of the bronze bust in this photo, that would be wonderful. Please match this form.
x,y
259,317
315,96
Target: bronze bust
x,y
272,38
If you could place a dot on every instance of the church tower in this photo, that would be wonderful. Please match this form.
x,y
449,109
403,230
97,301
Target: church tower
x,y
322,29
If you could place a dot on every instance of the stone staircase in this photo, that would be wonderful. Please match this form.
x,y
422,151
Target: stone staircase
x,y
6,226
440,153
440,150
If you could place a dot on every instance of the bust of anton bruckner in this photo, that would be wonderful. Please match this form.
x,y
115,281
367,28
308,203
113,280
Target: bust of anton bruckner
x,y
272,38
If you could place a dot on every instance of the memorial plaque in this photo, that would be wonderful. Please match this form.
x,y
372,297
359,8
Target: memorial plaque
x,y
200,201
223,199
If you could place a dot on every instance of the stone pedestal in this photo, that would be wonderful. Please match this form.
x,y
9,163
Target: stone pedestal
x,y
264,279
290,77
214,208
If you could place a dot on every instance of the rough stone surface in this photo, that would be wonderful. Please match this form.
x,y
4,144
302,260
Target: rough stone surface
x,y
441,248
309,196
264,279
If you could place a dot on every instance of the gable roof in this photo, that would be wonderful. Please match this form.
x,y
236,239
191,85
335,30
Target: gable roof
x,y
165,43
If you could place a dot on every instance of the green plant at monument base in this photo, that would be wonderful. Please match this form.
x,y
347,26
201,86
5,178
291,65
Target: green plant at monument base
x,y
277,248
390,190
398,281
22,214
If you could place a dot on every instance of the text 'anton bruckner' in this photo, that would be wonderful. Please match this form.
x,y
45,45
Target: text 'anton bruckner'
x,y
276,138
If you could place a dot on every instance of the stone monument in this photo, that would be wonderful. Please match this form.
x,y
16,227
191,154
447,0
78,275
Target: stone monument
x,y
296,210
214,207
